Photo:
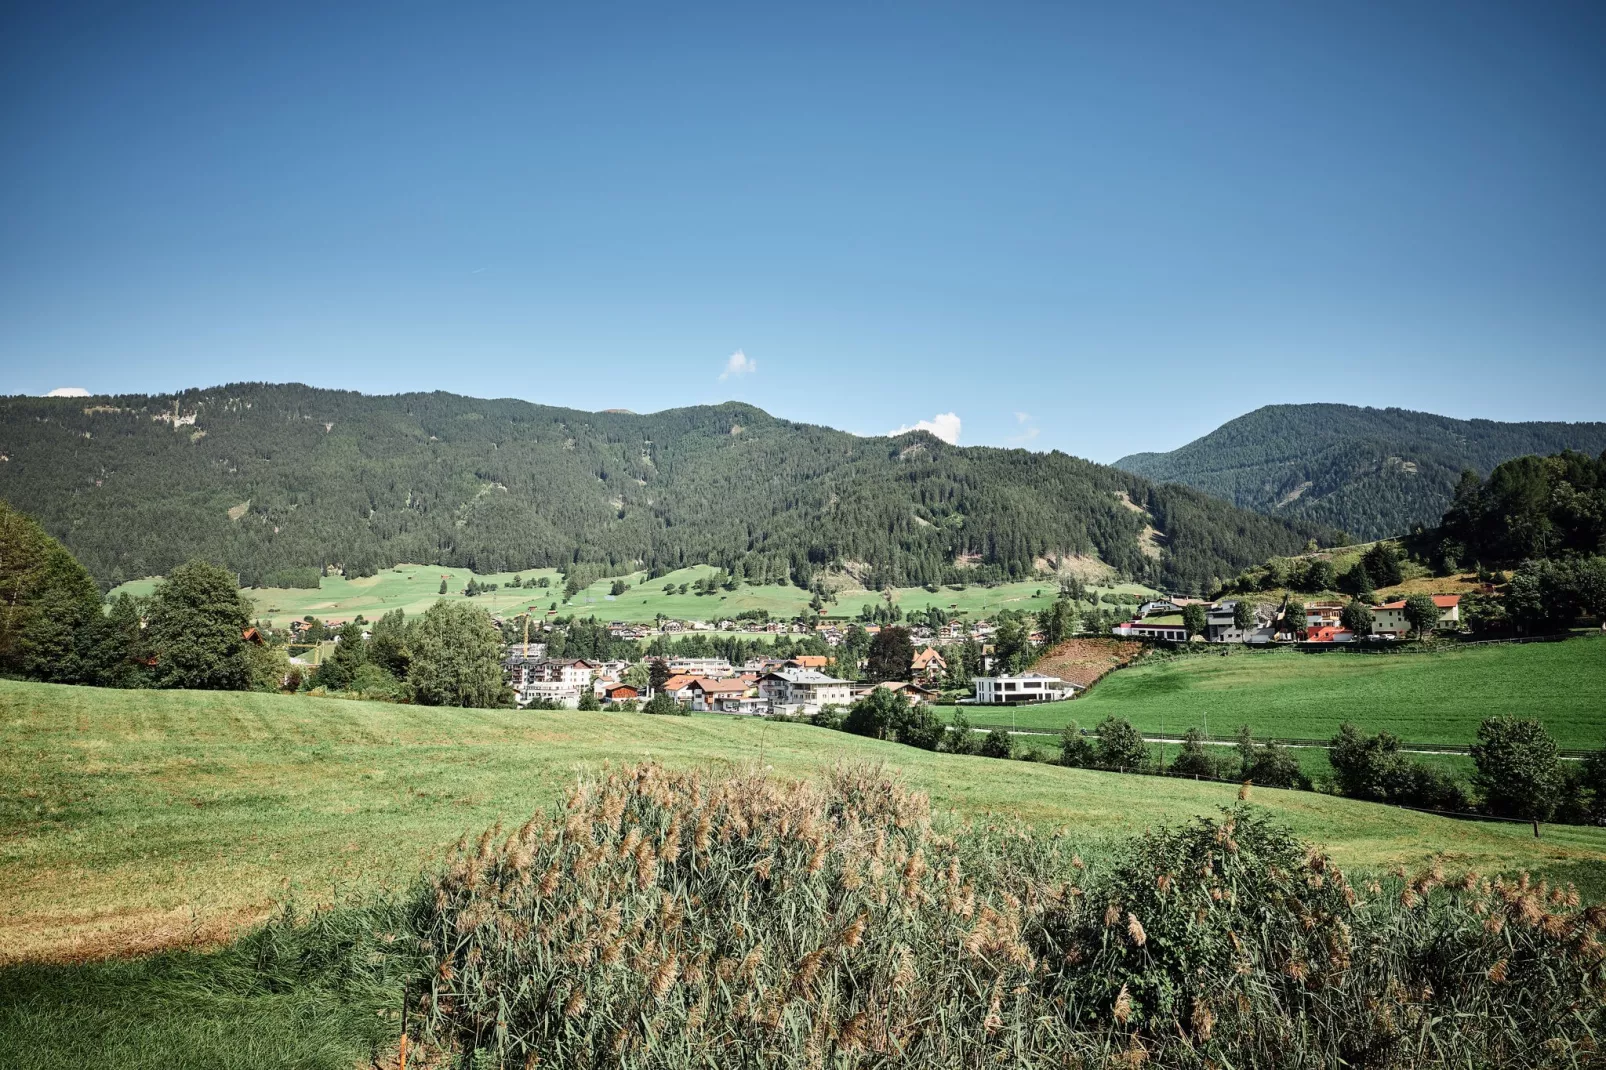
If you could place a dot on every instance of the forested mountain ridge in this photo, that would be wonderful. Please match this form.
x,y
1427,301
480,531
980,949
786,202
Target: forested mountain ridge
x,y
1371,472
268,477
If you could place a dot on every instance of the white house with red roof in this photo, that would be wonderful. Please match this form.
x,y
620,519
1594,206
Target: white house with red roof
x,y
1389,618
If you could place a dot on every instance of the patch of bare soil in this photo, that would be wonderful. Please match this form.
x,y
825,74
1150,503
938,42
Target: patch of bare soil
x,y
1085,661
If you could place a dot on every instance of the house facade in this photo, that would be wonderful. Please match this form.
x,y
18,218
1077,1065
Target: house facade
x,y
1142,629
1028,687
927,665
802,690
711,668
1389,618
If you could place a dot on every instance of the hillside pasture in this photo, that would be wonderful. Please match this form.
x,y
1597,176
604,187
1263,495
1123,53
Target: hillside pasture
x,y
1434,696
136,820
415,588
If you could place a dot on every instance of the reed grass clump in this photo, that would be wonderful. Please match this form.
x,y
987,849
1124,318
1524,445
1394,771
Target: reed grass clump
x,y
660,919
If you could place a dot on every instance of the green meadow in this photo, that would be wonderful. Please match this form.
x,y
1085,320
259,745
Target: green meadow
x,y
415,587
137,820
1431,696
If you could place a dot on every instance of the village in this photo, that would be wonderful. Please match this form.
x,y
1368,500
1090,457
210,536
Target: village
x,y
803,684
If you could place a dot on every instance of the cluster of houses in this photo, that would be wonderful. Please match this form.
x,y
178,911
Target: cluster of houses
x,y
1162,619
759,687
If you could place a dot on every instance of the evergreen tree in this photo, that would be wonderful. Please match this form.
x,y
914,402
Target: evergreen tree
x,y
337,671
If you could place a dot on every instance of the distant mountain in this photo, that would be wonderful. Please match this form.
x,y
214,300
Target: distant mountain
x,y
269,478
1370,472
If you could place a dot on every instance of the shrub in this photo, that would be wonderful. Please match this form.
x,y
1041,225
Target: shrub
x,y
668,920
1196,758
1076,750
664,704
959,739
996,744
1372,768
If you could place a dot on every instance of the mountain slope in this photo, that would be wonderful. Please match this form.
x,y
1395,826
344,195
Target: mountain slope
x,y
1371,472
265,477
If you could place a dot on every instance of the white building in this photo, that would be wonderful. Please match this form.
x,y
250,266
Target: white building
x,y
710,668
802,690
1028,687
1389,618
1142,629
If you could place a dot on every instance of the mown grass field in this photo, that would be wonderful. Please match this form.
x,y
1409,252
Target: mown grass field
x,y
134,821
415,587
1427,697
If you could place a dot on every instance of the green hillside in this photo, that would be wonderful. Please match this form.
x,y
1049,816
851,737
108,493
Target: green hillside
x,y
415,587
266,479
1371,472
138,819
1438,697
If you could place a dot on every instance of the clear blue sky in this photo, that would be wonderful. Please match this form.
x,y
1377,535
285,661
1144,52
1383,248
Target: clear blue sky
x,y
1100,228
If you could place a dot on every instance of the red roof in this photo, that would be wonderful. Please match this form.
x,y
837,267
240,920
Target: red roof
x,y
678,681
722,687
1327,634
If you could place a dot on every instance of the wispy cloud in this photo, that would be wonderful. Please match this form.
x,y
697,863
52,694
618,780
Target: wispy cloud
x,y
737,366
945,425
1029,430
68,392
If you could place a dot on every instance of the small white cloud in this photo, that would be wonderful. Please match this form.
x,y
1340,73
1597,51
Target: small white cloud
x,y
738,365
68,392
1022,417
945,425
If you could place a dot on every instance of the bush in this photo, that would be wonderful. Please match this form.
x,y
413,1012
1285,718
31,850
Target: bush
x,y
996,744
1076,750
959,739
664,704
1372,768
1196,759
667,920
372,681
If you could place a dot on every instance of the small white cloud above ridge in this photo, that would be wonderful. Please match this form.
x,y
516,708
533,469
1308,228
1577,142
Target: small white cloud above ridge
x,y
737,366
68,392
945,425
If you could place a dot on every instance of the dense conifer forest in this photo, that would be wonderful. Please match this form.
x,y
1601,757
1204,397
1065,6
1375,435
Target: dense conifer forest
x,y
272,480
1374,473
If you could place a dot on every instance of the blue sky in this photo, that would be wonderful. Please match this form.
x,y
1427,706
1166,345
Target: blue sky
x,y
1099,228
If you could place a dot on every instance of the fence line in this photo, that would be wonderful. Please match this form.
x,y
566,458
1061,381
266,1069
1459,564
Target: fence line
x,y
1227,741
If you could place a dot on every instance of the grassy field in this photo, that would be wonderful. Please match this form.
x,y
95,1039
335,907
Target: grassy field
x,y
1428,697
415,587
134,821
